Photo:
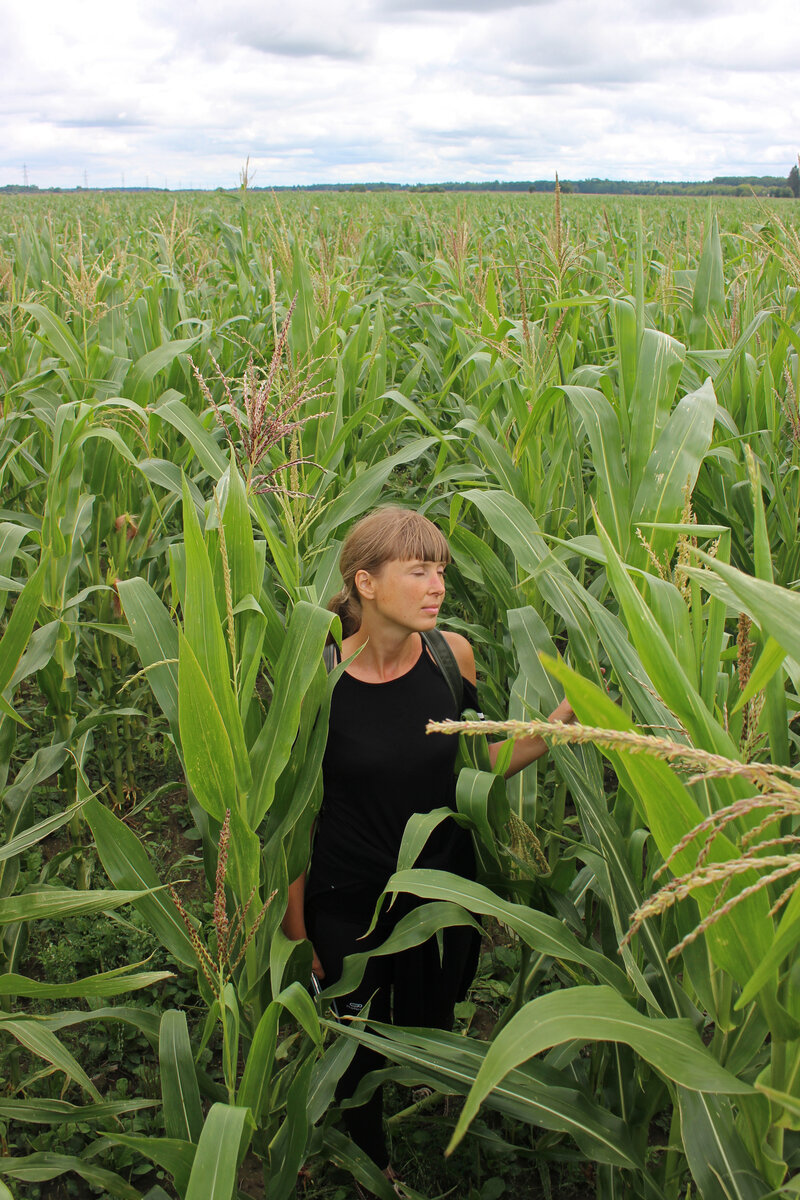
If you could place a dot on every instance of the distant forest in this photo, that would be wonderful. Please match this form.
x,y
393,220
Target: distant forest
x,y
721,185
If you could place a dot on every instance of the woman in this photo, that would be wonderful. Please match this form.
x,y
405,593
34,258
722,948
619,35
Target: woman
x,y
380,768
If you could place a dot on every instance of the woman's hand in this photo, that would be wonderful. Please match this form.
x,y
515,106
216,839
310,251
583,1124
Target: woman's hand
x,y
316,966
564,713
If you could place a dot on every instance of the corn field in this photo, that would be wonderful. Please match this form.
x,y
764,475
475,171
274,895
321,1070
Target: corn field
x,y
598,404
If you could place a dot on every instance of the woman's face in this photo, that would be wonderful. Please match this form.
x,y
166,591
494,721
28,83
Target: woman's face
x,y
407,593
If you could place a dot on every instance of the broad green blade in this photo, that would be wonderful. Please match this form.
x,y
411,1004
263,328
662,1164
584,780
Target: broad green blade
x,y
602,427
41,1041
257,1077
216,1158
543,933
38,1168
299,661
156,640
202,627
64,902
140,376
109,983
20,625
208,757
775,610
42,829
61,1112
126,863
288,1147
171,1154
593,1014
675,461
717,1157
658,371
533,1093
183,1116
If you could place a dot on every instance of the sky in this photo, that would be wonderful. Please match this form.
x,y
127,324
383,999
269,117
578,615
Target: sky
x,y
106,92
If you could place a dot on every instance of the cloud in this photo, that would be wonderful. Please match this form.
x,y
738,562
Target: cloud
x,y
334,30
399,90
458,6
101,121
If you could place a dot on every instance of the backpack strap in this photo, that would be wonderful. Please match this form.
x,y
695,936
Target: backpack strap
x,y
439,647
330,656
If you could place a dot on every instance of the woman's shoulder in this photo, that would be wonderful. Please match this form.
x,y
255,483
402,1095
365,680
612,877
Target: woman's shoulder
x,y
462,652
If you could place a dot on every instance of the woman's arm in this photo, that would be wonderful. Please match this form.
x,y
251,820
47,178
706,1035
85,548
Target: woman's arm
x,y
526,750
294,922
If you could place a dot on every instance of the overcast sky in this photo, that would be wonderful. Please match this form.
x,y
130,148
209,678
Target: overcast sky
x,y
396,90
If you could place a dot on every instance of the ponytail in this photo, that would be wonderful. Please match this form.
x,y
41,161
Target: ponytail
x,y
348,609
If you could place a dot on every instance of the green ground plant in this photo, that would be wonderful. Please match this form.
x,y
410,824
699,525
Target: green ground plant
x,y
597,401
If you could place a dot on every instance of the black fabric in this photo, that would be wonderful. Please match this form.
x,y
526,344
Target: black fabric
x,y
380,768
417,987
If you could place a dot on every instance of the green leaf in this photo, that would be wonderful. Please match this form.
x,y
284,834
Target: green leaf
x,y
207,755
364,491
38,1168
156,640
178,414
717,1157
676,459
140,376
665,670
20,624
257,1076
602,427
63,902
288,1147
352,1158
141,1019
413,929
42,829
709,289
202,627
59,338
775,610
532,1093
216,1158
595,1014
658,372
769,660
39,651
183,1116
300,659
511,521
108,983
41,1041
171,1154
739,940
543,933
296,1000
126,863
61,1112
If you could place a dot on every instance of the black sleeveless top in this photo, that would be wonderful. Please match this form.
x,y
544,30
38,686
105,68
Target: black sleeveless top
x,y
380,768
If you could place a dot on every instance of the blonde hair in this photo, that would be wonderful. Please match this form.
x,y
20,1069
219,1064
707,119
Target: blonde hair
x,y
384,535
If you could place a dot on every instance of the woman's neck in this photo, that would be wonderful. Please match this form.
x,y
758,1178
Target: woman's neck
x,y
384,654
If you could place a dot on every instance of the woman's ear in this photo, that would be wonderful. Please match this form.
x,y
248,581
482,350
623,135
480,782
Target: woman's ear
x,y
364,584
